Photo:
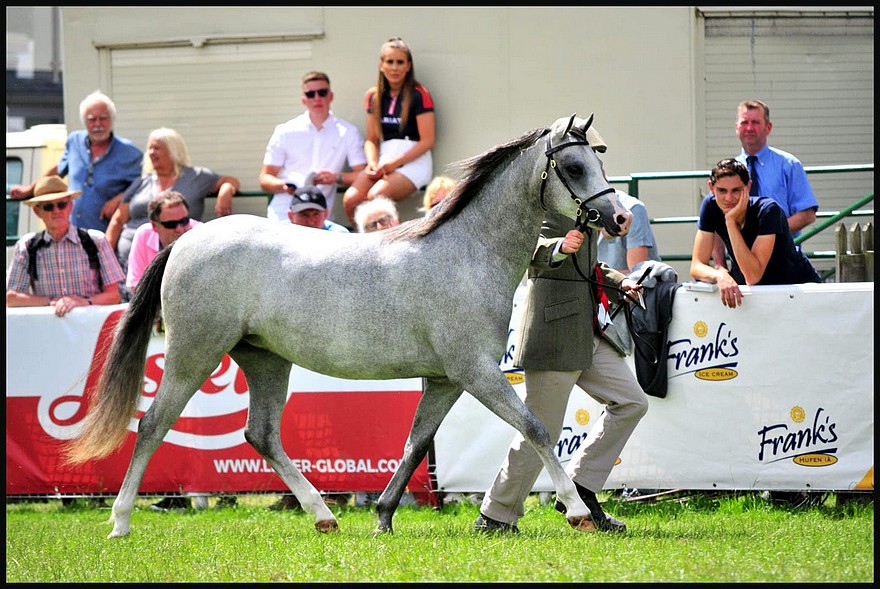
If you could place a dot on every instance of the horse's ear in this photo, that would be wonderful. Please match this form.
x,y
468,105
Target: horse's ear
x,y
570,123
589,122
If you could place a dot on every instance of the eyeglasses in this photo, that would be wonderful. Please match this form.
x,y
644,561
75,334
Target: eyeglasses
x,y
322,92
50,206
173,224
381,221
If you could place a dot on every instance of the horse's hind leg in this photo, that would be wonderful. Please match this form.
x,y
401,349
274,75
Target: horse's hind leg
x,y
268,376
439,397
171,398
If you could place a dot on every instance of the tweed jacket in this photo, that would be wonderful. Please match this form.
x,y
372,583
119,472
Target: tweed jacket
x,y
556,325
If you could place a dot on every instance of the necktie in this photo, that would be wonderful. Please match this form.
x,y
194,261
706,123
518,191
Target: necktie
x,y
753,175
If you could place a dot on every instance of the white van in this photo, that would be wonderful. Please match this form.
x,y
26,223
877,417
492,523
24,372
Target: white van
x,y
28,155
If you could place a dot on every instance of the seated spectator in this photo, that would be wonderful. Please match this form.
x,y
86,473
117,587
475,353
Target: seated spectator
x,y
311,148
166,166
169,217
62,266
400,131
374,215
754,230
308,207
436,191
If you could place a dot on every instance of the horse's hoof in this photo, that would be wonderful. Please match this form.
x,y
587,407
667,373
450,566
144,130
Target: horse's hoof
x,y
326,526
582,524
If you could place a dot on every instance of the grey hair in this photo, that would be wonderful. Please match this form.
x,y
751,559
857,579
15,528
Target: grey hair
x,y
368,207
93,98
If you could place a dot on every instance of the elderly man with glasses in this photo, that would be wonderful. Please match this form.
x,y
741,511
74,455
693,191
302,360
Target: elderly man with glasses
x,y
375,215
62,266
97,162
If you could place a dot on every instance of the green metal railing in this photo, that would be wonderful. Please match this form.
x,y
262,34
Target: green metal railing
x,y
632,181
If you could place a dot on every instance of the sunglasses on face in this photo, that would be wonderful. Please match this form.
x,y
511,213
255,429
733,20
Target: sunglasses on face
x,y
173,224
50,206
323,92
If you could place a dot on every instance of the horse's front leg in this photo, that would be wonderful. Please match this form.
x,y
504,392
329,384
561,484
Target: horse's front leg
x,y
502,400
439,397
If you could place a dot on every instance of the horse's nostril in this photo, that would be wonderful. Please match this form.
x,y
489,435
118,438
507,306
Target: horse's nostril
x,y
621,219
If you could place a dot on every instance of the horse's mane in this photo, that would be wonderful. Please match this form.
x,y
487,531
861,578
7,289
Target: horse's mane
x,y
477,170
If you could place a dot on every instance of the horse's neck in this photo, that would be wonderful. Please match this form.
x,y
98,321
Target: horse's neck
x,y
505,219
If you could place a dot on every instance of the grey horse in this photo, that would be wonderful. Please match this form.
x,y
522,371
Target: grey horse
x,y
429,298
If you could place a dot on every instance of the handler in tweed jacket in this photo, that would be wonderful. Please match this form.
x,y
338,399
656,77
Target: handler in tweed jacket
x,y
557,349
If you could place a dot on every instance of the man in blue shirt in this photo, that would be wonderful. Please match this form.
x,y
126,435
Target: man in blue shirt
x,y
773,172
98,163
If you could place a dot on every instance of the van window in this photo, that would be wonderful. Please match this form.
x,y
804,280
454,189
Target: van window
x,y
14,171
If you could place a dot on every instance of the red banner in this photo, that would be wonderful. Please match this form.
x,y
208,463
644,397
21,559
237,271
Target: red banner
x,y
342,435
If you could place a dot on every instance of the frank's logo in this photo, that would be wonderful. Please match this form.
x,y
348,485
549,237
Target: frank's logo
x,y
711,360
715,374
815,460
807,445
515,376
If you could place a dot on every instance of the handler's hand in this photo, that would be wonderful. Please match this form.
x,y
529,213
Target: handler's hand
x,y
572,242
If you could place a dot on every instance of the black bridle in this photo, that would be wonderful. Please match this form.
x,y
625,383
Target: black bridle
x,y
584,216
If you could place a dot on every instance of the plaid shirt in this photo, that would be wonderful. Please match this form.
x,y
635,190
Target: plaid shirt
x,y
63,266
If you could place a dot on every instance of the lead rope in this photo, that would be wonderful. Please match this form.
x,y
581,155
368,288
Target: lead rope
x,y
654,359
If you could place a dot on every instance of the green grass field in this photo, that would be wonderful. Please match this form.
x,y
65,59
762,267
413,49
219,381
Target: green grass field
x,y
739,538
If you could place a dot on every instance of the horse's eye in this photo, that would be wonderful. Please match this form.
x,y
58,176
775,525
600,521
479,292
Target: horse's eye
x,y
574,171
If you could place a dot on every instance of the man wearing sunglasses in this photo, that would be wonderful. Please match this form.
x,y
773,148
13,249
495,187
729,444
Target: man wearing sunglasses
x,y
72,267
312,148
169,219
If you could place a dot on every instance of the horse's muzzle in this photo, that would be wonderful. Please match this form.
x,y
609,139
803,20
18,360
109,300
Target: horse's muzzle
x,y
623,220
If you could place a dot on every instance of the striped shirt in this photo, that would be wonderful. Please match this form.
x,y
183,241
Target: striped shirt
x,y
63,266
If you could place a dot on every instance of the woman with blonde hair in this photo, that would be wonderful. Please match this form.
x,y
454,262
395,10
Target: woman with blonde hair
x,y
400,131
166,166
436,191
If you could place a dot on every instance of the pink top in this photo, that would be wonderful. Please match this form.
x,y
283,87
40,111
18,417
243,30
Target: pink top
x,y
144,248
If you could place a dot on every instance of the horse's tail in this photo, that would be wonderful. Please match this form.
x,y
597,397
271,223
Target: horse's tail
x,y
119,387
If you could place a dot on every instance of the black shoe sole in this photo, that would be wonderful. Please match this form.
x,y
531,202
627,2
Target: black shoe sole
x,y
487,525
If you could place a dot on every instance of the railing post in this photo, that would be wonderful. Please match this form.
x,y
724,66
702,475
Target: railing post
x,y
853,261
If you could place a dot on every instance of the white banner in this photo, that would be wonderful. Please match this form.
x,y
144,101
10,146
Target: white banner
x,y
775,394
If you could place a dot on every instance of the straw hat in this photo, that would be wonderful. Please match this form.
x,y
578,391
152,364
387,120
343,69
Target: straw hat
x,y
51,188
